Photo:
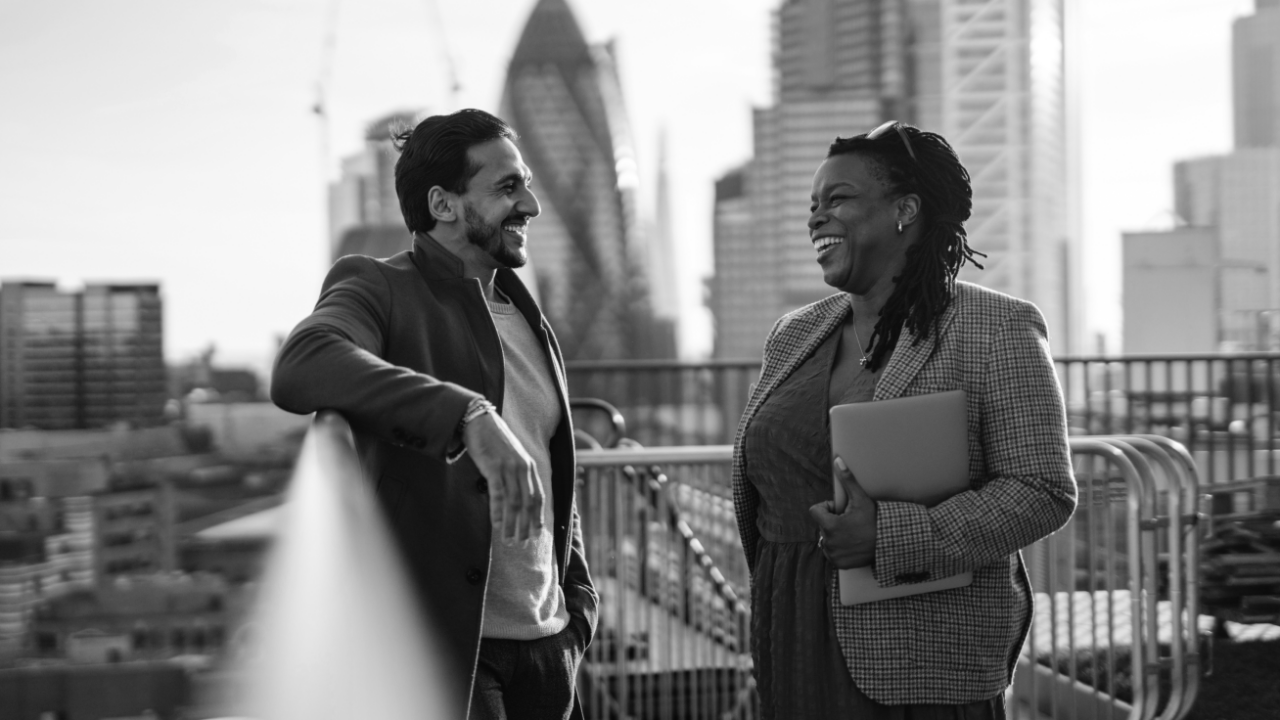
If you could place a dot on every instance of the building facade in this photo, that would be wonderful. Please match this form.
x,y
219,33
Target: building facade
x,y
1238,196
1171,287
83,359
986,74
742,318
134,532
364,210
1255,70
588,254
59,561
1233,199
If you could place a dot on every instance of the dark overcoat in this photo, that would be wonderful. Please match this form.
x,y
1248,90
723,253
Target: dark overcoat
x,y
400,347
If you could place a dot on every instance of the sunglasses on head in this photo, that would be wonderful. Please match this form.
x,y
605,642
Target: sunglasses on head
x,y
894,125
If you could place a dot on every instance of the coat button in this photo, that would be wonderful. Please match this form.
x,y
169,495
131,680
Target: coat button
x,y
474,576
482,486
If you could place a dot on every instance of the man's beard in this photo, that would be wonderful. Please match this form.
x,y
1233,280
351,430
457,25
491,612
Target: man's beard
x,y
488,237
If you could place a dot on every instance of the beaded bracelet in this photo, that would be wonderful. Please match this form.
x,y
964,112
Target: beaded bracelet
x,y
477,407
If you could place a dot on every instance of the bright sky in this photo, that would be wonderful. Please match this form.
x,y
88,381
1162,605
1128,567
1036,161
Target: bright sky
x,y
156,140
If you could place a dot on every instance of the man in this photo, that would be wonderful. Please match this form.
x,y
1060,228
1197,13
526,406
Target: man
x,y
455,388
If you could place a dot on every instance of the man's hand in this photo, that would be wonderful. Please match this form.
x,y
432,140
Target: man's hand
x,y
515,492
849,538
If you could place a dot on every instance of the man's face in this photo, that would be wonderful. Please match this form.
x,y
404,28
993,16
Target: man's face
x,y
498,205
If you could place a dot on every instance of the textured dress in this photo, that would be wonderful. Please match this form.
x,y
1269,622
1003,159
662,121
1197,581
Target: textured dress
x,y
800,669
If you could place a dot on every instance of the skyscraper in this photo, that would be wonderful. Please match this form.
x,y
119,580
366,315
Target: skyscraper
x,y
986,74
1255,71
586,250
742,318
82,359
1235,198
1238,195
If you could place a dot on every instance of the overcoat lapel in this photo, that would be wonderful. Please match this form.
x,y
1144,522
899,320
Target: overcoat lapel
x,y
910,356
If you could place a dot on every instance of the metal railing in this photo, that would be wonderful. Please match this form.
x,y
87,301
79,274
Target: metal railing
x,y
1224,408
667,402
674,637
1116,632
335,631
1117,629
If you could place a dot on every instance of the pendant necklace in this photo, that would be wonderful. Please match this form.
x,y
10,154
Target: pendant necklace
x,y
863,362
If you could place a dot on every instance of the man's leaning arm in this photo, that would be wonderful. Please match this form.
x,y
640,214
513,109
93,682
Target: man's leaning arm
x,y
332,360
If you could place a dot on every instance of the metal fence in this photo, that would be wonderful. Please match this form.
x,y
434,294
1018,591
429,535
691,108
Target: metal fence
x,y
1116,633
674,630
1223,408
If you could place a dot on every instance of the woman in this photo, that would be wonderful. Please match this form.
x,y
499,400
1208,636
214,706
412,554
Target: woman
x,y
887,222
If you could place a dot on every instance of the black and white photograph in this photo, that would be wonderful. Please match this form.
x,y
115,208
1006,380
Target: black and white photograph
x,y
640,360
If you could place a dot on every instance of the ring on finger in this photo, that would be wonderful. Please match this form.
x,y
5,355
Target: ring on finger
x,y
821,540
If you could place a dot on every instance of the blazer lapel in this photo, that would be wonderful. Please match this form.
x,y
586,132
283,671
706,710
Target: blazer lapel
x,y
909,357
801,337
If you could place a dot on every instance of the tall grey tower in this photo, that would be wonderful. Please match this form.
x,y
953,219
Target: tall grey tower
x,y
1255,70
1237,195
986,74
587,252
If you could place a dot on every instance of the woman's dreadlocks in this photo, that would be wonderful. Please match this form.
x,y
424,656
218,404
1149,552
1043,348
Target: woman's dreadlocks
x,y
924,289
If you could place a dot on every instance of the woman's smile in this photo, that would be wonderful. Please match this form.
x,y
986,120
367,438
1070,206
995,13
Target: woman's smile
x,y
825,245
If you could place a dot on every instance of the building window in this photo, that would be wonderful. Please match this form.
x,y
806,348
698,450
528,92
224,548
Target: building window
x,y
46,642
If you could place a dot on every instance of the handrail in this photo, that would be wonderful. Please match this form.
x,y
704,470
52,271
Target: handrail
x,y
649,460
656,456
1181,485
755,361
336,632
616,420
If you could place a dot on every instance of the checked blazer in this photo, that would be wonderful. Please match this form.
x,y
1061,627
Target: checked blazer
x,y
953,646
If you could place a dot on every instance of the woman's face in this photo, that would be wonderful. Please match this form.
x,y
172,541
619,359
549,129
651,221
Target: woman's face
x,y
853,226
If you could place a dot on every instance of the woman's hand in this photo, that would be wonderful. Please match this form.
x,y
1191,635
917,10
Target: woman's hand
x,y
848,538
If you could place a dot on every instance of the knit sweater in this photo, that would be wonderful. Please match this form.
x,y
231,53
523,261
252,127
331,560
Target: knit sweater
x,y
523,601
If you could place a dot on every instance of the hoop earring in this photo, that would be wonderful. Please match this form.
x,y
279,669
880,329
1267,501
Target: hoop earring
x,y
899,227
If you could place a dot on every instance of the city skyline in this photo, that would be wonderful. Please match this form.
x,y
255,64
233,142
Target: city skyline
x,y
987,75
1223,261
205,171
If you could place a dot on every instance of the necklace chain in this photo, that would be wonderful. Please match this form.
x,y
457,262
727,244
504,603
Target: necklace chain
x,y
863,362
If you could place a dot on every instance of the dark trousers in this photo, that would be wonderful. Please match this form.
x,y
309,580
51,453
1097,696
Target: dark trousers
x,y
533,679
